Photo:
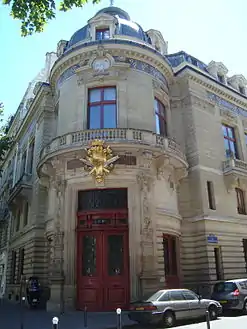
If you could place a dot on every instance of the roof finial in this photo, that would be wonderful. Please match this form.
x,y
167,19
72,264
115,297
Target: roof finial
x,y
111,2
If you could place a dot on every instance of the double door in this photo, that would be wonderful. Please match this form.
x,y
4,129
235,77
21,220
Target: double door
x,y
103,270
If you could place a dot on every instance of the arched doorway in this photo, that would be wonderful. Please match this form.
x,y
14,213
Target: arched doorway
x,y
102,250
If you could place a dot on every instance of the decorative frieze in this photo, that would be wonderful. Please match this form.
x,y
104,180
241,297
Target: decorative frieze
x,y
234,109
134,64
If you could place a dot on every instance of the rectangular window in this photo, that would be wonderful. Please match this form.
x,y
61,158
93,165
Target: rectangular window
x,y
242,90
245,252
18,220
30,158
218,263
230,142
13,265
25,213
211,198
23,163
170,255
240,201
102,34
160,118
220,78
20,264
102,107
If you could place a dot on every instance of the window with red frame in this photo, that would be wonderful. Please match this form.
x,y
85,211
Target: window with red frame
x,y
240,201
102,34
230,142
160,118
170,255
102,109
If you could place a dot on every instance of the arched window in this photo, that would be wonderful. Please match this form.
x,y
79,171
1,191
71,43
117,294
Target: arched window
x,y
160,118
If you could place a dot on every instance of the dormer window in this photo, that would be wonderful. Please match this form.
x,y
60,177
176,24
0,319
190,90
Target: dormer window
x,y
102,34
241,90
220,78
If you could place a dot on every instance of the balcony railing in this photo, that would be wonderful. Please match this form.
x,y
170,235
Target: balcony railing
x,y
234,164
24,183
118,135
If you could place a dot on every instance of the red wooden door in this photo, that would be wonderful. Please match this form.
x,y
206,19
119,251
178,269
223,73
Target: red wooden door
x,y
116,270
89,274
103,270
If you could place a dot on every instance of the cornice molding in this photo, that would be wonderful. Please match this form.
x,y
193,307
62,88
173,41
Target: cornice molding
x,y
212,86
79,58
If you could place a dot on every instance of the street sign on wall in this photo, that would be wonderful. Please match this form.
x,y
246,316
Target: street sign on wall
x,y
211,238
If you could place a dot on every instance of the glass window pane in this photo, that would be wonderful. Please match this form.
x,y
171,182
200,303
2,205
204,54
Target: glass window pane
x,y
115,255
94,117
88,255
233,147
156,105
224,130
94,95
176,295
230,132
166,257
106,34
157,123
110,94
189,295
110,116
245,136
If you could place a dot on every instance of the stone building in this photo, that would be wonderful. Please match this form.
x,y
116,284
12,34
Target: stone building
x,y
128,171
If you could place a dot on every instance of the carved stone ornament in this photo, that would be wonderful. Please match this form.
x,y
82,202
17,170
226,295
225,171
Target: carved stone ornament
x,y
99,161
146,159
233,181
144,183
100,65
228,115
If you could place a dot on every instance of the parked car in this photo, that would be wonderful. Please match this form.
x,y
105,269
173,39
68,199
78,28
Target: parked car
x,y
168,306
231,294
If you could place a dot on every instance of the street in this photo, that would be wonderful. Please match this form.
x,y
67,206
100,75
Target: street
x,y
10,318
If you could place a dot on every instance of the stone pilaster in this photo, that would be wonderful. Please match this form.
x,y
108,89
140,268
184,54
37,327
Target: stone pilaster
x,y
147,275
56,266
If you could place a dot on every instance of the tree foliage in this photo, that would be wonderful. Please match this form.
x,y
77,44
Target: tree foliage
x,y
5,140
35,14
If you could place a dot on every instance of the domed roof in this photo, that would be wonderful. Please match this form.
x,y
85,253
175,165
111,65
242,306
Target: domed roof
x,y
124,26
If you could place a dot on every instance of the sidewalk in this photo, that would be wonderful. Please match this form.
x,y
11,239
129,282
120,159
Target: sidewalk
x,y
10,318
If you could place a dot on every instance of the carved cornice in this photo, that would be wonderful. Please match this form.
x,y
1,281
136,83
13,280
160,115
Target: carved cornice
x,y
219,90
78,58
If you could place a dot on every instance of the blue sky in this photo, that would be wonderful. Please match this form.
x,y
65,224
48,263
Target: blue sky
x,y
209,30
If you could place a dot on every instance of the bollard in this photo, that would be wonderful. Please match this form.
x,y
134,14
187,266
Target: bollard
x,y
55,321
119,318
208,320
85,316
22,302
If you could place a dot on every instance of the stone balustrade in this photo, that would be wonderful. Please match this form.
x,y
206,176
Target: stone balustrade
x,y
114,136
234,164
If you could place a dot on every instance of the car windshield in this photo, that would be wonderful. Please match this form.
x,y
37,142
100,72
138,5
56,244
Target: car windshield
x,y
225,287
155,296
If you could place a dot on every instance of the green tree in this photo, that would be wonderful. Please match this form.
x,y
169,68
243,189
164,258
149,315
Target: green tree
x,y
5,140
35,14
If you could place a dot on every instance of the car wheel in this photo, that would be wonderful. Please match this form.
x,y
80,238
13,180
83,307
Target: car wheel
x,y
169,319
245,307
213,314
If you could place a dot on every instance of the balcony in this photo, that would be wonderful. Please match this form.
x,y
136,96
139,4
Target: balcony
x,y
234,171
22,188
119,136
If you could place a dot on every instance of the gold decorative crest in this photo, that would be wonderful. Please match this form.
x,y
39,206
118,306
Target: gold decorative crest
x,y
99,160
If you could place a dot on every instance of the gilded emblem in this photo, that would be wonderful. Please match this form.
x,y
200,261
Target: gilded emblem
x,y
99,160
